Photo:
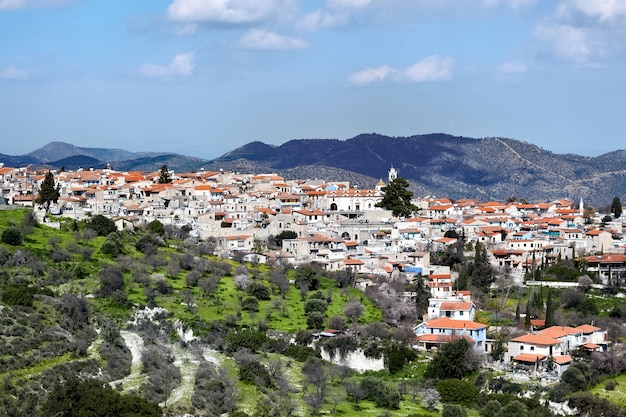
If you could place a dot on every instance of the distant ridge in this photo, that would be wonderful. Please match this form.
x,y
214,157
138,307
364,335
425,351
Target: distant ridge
x,y
434,164
55,151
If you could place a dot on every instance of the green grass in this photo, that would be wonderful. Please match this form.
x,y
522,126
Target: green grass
x,y
618,395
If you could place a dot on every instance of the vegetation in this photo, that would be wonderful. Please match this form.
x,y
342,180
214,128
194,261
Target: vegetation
x,y
117,323
616,207
48,193
397,198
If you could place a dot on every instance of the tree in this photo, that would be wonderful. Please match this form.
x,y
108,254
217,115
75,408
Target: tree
x,y
616,207
102,225
451,361
48,193
285,234
12,236
164,175
75,398
156,227
422,296
453,410
588,214
549,309
397,198
353,310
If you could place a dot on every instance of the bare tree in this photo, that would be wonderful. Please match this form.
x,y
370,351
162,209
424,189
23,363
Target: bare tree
x,y
353,310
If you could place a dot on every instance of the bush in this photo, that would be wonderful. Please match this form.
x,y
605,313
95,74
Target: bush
x,y
398,355
102,225
253,372
19,295
246,339
301,353
250,304
156,227
381,394
315,320
610,385
12,236
315,305
453,410
456,391
258,290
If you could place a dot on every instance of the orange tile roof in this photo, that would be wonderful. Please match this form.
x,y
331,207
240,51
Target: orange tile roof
x,y
455,305
441,338
529,357
588,328
448,323
562,359
537,339
559,331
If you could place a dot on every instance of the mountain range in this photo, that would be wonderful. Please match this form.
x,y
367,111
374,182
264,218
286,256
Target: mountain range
x,y
434,164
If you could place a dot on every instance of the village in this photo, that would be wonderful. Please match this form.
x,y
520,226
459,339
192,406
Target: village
x,y
338,226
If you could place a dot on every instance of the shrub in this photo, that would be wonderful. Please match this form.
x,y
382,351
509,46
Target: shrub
x,y
315,320
457,392
315,305
301,353
253,372
245,339
19,295
12,236
610,385
156,227
453,410
258,290
250,304
102,225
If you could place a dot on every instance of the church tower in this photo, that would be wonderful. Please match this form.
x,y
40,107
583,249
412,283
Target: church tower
x,y
581,207
393,174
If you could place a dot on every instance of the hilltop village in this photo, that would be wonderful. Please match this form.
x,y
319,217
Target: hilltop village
x,y
337,225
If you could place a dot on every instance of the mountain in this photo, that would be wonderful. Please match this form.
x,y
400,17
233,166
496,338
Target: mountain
x,y
434,164
453,166
60,154
55,151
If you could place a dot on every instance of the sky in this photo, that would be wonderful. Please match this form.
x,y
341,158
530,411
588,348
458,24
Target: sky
x,y
203,77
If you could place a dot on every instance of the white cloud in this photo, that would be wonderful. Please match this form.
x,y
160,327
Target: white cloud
x,y
370,75
569,42
432,68
602,11
513,67
24,4
13,73
264,39
341,13
512,4
181,65
229,11
347,4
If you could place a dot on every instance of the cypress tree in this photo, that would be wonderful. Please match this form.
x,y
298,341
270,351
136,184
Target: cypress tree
x,y
549,309
48,192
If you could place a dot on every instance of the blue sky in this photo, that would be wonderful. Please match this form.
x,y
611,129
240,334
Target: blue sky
x,y
202,77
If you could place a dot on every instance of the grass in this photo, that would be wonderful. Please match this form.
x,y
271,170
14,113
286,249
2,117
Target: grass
x,y
616,396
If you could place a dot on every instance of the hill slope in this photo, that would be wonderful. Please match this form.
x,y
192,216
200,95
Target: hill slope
x,y
458,167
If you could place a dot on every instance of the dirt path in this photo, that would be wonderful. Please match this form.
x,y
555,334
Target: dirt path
x,y
188,365
132,381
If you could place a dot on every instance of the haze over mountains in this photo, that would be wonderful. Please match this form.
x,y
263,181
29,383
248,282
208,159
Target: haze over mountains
x,y
434,164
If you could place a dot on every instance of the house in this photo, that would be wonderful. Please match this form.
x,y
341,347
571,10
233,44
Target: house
x,y
533,349
433,333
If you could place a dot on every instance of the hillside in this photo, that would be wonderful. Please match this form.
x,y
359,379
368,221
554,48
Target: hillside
x,y
456,167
